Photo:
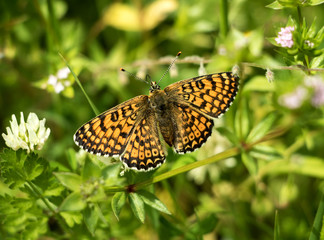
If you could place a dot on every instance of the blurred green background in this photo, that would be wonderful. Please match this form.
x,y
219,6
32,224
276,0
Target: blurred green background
x,y
98,37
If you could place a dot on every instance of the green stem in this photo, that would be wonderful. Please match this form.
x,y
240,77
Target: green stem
x,y
94,109
300,18
223,21
226,154
39,195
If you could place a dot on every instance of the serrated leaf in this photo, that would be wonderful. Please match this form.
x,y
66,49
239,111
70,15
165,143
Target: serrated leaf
x,y
71,181
73,203
262,128
90,218
117,203
151,200
250,163
72,218
137,206
33,166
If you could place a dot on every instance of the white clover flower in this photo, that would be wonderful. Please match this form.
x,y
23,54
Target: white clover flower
x,y
30,135
285,37
58,81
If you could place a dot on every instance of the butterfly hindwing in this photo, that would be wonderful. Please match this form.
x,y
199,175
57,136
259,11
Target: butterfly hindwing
x,y
192,129
211,94
144,150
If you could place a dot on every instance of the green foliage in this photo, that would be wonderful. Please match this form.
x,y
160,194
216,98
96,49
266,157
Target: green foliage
x,y
259,176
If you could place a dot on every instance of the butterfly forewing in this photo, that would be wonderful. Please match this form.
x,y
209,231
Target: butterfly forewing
x,y
211,94
108,133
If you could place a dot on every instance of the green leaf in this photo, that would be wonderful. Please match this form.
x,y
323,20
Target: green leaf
x,y
73,203
318,221
315,2
276,227
258,83
90,217
70,180
137,206
250,163
71,158
72,218
262,128
275,5
151,200
117,203
228,134
34,166
90,170
205,225
317,62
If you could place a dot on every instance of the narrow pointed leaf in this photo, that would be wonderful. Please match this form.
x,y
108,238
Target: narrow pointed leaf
x,y
91,218
117,203
137,206
261,128
151,200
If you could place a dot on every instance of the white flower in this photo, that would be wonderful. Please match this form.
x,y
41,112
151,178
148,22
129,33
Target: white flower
x,y
202,69
309,43
285,37
58,81
30,135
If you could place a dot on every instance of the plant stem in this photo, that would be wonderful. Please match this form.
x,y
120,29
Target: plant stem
x,y
94,109
223,21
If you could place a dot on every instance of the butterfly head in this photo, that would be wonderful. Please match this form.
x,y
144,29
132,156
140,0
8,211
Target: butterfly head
x,y
154,86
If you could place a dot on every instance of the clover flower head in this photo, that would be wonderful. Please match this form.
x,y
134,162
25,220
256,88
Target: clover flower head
x,y
285,37
57,81
30,135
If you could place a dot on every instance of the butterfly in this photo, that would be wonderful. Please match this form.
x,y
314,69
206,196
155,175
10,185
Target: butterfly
x,y
182,114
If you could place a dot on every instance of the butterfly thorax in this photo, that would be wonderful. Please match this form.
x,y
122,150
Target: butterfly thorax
x,y
159,103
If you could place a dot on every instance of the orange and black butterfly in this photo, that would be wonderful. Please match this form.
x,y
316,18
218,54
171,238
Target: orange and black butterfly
x,y
182,113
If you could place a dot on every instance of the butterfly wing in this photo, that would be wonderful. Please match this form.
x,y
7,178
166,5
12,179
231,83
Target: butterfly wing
x,y
108,133
191,128
210,94
194,102
144,150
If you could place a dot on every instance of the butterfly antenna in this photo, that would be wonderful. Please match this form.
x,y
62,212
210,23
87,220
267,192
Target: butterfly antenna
x,y
134,76
175,59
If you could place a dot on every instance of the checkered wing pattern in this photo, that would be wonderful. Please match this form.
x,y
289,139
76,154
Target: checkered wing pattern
x,y
192,128
209,94
109,133
144,150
